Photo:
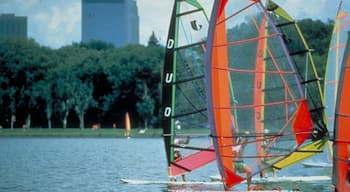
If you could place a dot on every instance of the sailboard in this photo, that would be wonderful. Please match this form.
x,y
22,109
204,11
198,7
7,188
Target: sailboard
x,y
183,89
151,182
318,164
305,179
341,145
252,79
335,58
301,55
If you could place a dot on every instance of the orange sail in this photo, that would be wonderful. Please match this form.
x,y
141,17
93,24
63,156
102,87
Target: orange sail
x,y
127,125
259,86
341,145
252,80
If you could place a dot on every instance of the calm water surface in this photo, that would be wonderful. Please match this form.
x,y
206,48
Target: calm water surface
x,y
98,164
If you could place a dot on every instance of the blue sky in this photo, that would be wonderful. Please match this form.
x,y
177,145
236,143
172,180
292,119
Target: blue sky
x,y
55,23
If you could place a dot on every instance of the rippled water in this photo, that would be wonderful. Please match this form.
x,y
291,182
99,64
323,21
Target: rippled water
x,y
98,164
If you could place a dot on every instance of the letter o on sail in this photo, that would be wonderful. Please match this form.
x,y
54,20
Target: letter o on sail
x,y
170,44
168,78
167,111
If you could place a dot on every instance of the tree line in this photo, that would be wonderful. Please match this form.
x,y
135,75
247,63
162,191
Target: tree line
x,y
79,85
94,83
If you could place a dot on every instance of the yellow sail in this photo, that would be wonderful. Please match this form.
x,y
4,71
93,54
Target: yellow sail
x,y
127,125
301,55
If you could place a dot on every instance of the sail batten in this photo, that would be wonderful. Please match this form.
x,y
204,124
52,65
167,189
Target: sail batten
x,y
189,12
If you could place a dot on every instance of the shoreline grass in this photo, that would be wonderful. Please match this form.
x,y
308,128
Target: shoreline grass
x,y
88,132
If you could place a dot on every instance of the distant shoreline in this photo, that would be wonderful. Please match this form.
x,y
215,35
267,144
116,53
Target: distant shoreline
x,y
88,132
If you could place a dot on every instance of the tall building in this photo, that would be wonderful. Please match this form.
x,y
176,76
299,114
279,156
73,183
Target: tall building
x,y
13,26
113,21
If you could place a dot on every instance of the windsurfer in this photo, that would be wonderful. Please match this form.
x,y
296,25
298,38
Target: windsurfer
x,y
180,141
237,149
178,157
177,154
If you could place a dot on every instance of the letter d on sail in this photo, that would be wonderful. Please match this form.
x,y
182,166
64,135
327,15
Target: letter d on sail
x,y
170,44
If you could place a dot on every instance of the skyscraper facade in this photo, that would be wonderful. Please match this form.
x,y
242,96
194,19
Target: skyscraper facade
x,y
113,21
13,26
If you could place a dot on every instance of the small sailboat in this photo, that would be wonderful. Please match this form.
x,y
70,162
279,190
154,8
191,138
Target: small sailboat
x,y
341,145
256,103
127,125
183,93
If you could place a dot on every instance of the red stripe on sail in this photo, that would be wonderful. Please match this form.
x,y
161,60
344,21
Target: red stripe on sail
x,y
302,125
231,178
192,162
222,6
220,81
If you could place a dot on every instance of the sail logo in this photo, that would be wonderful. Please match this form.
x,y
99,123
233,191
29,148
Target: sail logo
x,y
195,26
168,77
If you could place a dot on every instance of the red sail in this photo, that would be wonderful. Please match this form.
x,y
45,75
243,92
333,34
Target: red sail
x,y
302,125
341,167
192,162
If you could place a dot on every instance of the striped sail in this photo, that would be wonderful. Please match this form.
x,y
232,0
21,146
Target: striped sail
x,y
252,79
341,159
300,53
335,58
183,93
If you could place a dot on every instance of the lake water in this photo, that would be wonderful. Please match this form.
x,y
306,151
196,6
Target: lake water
x,y
98,164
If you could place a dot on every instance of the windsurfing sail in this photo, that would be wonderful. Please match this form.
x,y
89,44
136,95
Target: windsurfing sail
x,y
251,78
335,58
127,125
301,55
341,158
183,93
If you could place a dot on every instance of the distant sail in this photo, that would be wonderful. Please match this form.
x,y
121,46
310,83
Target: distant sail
x,y
183,93
341,159
251,77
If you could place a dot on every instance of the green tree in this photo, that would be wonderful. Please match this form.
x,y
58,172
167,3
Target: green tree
x,y
82,100
153,41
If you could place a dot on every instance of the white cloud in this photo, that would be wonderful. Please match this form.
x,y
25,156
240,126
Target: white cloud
x,y
58,22
154,16
73,16
58,26
315,9
56,19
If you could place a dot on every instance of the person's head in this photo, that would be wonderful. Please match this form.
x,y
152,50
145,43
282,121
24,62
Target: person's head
x,y
176,153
